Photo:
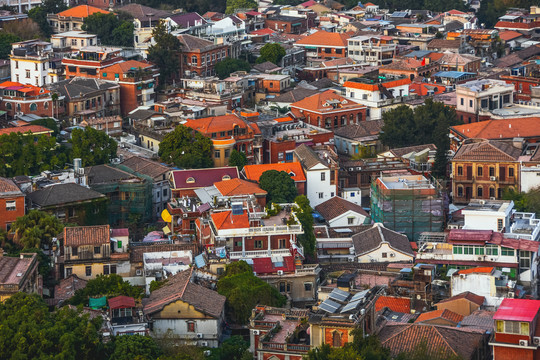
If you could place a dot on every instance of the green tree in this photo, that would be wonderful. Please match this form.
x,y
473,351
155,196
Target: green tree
x,y
165,53
305,216
29,331
279,185
94,147
272,52
524,201
243,291
186,148
135,347
442,141
106,285
49,124
234,348
6,40
238,159
397,122
39,15
233,5
110,29
35,229
224,68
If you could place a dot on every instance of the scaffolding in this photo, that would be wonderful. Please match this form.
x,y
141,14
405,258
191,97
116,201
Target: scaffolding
x,y
408,204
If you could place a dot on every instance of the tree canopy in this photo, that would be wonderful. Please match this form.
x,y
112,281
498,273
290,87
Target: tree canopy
x,y
135,347
6,39
233,5
110,29
225,67
244,290
234,348
279,185
94,147
305,216
272,52
186,148
238,159
35,229
165,53
106,285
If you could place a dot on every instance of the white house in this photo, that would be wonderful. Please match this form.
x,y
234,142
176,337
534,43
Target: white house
x,y
32,63
321,184
379,244
484,281
488,215
161,265
229,26
340,212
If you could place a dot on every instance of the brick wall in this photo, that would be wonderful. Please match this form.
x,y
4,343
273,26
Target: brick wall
x,y
8,217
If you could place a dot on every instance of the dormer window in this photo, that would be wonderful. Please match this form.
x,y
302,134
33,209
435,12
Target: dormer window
x,y
226,177
291,174
190,180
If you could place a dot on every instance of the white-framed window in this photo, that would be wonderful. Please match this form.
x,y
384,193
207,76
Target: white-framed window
x,y
321,195
11,205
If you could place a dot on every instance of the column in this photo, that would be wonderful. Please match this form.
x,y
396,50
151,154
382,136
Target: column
x,y
269,246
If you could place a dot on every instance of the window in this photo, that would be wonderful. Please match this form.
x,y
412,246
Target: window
x,y
104,75
8,106
220,271
468,250
227,153
336,339
458,249
106,269
470,103
191,326
258,244
97,250
491,171
165,193
479,192
217,154
11,205
33,107
491,192
507,251
492,250
524,259
480,171
350,221
28,74
513,327
321,195
323,176
88,271
280,156
282,287
499,224
460,170
116,76
113,269
462,101
74,251
282,243
69,271
289,156
484,103
460,190
190,180
510,172
384,255
308,286
478,250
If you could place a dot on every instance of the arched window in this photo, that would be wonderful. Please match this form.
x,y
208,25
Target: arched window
x,y
18,107
193,60
190,180
226,177
336,339
491,191
460,190
46,105
8,106
33,107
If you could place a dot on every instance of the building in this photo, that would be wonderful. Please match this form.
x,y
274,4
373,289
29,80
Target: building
x,y
191,313
18,274
460,62
71,203
379,244
73,18
375,50
199,56
409,204
185,182
90,61
411,67
144,20
464,304
321,174
69,41
339,212
482,169
359,139
443,317
286,24
516,332
12,204
17,99
484,281
230,132
125,317
328,110
477,99
325,45
33,62
294,169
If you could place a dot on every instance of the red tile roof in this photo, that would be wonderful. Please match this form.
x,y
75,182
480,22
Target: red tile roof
x,y
82,11
517,25
121,302
216,124
374,87
440,314
29,90
265,265
509,35
34,129
455,12
500,129
254,172
325,39
202,177
517,310
238,187
321,103
86,235
124,66
472,297
397,304
225,220
264,31
337,206
477,270
8,188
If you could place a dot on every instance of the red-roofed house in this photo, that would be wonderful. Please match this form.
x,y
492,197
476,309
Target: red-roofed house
x,y
464,304
90,61
324,45
27,99
517,330
440,317
185,182
11,203
33,129
72,18
254,172
230,132
396,304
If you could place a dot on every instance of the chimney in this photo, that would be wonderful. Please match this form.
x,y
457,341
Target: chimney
x,y
518,142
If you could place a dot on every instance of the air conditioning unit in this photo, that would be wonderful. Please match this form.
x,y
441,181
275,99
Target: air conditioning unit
x,y
492,178
350,259
392,255
204,343
138,272
280,272
184,215
492,198
256,332
523,343
480,258
511,294
199,336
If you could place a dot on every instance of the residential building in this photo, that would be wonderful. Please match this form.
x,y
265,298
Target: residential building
x,y
476,99
161,192
18,99
72,18
524,83
463,304
375,50
443,317
482,169
339,212
193,22
523,22
185,182
33,62
230,26
377,94
324,45
328,110
230,93
71,203
12,204
287,24
359,139
294,169
69,41
137,81
27,130
111,125
516,332
379,244
230,132
411,67
460,62
18,274
90,61
199,56
334,244
66,288
321,174
409,204
125,317
191,313
160,266
485,281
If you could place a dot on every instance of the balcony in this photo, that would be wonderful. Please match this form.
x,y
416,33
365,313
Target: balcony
x,y
239,255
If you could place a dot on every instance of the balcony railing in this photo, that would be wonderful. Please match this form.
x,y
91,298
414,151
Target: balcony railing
x,y
236,255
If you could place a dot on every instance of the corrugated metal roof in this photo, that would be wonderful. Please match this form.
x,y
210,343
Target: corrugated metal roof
x,y
517,310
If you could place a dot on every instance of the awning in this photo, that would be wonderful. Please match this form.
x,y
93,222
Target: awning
x,y
121,302
97,303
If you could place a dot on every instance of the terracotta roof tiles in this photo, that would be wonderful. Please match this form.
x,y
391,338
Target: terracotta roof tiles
x,y
197,178
34,129
472,297
477,270
324,103
235,187
8,188
82,11
500,129
487,150
86,235
226,220
325,39
336,206
254,172
440,314
396,304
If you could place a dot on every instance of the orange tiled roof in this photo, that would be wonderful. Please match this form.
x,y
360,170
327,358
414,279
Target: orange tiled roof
x,y
254,172
317,102
375,86
29,89
501,129
397,304
477,299
226,220
238,187
34,129
216,124
516,25
444,314
325,39
124,66
509,35
477,270
82,11
284,119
